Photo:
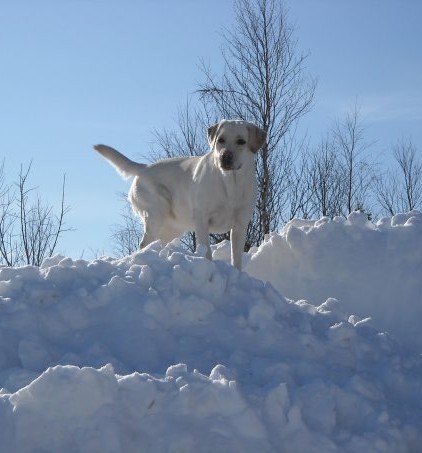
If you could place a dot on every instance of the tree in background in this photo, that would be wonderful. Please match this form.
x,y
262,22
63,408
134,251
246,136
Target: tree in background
x,y
29,228
326,180
264,82
400,190
297,194
340,177
350,144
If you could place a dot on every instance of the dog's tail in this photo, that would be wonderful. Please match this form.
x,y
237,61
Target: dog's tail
x,y
126,167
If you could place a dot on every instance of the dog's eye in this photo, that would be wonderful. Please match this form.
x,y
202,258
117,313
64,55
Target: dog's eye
x,y
240,141
221,140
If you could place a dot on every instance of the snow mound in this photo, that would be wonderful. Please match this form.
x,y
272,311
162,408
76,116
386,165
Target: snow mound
x,y
374,270
165,351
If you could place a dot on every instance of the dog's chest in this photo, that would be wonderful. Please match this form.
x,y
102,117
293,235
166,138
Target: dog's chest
x,y
221,219
237,188
230,201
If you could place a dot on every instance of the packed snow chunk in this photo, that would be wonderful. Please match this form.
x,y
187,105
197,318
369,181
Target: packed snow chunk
x,y
402,219
222,251
359,219
333,308
261,314
51,261
414,220
200,275
188,410
208,398
68,387
146,276
7,438
319,407
342,331
190,309
140,395
277,405
33,354
221,374
76,403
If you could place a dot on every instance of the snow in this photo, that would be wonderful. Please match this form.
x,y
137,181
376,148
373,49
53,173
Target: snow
x,y
165,351
374,270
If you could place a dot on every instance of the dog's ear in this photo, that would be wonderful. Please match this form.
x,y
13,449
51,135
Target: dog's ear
x,y
212,132
257,137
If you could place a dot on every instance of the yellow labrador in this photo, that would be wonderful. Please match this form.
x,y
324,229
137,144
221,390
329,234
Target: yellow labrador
x,y
213,193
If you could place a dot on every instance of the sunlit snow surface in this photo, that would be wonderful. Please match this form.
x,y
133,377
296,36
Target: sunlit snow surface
x,y
165,351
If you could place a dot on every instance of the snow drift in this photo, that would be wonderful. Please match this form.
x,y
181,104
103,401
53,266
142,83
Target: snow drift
x,y
165,351
374,270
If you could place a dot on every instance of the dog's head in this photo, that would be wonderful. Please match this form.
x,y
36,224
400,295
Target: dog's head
x,y
233,141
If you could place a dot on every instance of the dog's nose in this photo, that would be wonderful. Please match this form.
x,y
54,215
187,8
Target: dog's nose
x,y
227,158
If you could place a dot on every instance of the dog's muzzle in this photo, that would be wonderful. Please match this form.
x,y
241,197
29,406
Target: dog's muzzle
x,y
227,160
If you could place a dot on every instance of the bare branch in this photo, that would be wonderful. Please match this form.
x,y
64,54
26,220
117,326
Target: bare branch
x,y
29,231
410,167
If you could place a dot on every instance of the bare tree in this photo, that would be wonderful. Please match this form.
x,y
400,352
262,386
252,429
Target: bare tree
x,y
400,190
297,191
264,82
410,166
339,174
327,180
349,140
29,228
9,250
387,192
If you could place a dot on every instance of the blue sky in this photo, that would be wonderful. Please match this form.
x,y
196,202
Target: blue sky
x,y
78,72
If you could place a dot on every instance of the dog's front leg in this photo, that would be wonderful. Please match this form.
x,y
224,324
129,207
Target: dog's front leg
x,y
202,234
238,239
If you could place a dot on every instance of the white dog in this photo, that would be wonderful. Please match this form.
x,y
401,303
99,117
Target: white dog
x,y
213,193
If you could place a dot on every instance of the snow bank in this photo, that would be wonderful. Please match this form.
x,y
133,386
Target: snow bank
x,y
373,270
164,351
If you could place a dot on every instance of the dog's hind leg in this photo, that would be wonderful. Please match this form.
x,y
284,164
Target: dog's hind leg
x,y
156,230
154,208
151,230
146,240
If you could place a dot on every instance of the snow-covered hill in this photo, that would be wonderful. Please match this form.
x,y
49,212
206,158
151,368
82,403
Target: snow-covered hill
x,y
164,351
